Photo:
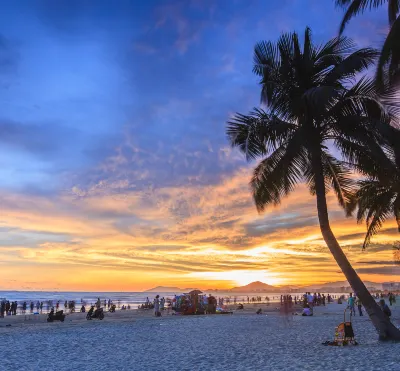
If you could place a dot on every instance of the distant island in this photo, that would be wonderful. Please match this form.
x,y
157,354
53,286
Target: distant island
x,y
339,286
169,289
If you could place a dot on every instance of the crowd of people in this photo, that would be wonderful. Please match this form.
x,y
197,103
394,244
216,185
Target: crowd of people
x,y
8,308
210,303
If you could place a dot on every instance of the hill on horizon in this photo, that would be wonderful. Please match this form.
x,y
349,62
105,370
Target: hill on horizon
x,y
264,287
169,289
255,286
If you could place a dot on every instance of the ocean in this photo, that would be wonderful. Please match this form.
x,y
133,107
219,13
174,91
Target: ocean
x,y
133,299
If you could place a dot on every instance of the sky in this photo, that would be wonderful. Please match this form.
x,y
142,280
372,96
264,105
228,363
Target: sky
x,y
115,170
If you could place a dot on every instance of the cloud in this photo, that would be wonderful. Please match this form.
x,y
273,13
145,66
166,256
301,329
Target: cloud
x,y
386,270
114,159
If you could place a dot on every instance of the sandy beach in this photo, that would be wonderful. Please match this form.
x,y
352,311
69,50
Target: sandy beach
x,y
243,341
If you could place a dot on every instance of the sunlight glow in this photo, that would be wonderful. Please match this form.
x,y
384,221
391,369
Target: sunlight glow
x,y
241,277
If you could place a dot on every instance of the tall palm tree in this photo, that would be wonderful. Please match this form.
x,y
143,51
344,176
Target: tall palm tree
x,y
312,107
390,54
378,196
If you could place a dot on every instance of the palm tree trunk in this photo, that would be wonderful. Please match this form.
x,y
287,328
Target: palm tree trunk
x,y
386,330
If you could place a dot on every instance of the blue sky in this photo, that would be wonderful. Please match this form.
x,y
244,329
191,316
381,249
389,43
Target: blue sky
x,y
79,77
127,98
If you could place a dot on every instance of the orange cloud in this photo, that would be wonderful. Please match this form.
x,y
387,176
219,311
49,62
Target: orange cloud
x,y
181,235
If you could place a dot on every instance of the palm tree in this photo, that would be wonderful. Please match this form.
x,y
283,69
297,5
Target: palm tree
x,y
378,196
390,54
312,107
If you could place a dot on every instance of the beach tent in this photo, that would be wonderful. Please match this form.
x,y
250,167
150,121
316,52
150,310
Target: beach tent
x,y
195,292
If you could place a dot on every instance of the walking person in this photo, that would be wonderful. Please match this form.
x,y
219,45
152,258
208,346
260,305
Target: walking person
x,y
359,306
350,304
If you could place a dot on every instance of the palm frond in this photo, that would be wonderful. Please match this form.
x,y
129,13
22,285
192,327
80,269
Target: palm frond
x,y
375,205
308,50
394,8
340,176
337,176
388,69
396,210
277,175
355,63
257,133
355,7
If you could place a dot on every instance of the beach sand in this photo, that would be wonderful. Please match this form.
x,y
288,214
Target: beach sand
x,y
136,340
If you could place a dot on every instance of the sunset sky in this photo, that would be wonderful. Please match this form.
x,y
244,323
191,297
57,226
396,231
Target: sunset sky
x,y
115,170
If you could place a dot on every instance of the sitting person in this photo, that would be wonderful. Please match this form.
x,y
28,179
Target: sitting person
x,y
83,309
307,311
259,311
240,306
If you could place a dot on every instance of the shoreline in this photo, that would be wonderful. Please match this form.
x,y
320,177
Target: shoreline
x,y
78,318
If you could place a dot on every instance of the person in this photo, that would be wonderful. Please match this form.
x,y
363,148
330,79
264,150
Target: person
x,y
307,311
359,306
15,308
98,303
169,306
212,304
310,299
350,304
3,309
157,306
8,306
162,303
259,311
385,308
83,309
